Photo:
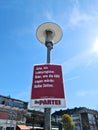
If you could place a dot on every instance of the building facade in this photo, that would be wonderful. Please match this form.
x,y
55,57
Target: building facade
x,y
12,112
84,118
35,119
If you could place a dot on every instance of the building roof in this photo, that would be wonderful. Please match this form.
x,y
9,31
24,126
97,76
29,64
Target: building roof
x,y
23,127
9,97
75,111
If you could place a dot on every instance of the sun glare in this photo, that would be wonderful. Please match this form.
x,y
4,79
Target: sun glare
x,y
95,47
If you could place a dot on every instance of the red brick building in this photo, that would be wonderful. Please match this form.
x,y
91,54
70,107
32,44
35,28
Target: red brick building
x,y
12,112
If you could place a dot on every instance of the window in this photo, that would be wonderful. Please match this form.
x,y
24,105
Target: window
x,y
10,103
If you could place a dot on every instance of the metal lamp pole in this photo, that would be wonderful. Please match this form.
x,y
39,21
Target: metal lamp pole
x,y
47,111
49,44
48,34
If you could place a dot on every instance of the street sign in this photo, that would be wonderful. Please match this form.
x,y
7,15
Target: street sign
x,y
47,87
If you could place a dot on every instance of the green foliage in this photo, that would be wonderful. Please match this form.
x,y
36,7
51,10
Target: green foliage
x,y
20,123
68,123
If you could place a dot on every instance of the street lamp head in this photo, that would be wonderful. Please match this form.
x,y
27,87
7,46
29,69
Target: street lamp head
x,y
49,32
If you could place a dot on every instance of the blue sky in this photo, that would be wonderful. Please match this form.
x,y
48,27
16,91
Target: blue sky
x,y
76,52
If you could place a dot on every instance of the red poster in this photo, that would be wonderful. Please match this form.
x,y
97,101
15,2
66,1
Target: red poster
x,y
47,86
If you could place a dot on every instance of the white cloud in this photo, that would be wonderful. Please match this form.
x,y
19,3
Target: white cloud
x,y
49,16
71,78
84,60
83,93
76,61
76,17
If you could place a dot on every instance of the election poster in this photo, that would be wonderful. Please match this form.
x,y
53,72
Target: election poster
x,y
47,87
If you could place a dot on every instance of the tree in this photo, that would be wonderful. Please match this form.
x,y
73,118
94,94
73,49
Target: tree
x,y
68,123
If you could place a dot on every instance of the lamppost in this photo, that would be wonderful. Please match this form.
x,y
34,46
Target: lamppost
x,y
48,34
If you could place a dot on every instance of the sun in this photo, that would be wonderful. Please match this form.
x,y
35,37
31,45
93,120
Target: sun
x,y
95,47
